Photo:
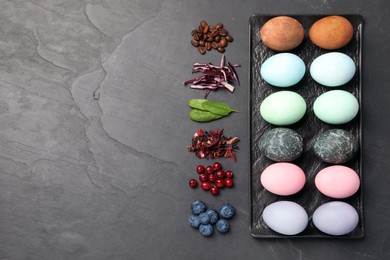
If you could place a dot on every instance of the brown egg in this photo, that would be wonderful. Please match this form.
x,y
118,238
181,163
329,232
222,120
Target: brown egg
x,y
331,32
282,33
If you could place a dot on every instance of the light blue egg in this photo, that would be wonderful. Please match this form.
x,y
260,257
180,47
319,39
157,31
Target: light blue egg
x,y
283,70
333,69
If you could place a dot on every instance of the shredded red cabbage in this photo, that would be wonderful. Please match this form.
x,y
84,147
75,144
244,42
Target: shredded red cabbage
x,y
214,77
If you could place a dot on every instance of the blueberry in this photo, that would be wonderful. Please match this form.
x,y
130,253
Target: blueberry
x,y
206,230
204,218
227,210
198,207
194,221
222,226
213,216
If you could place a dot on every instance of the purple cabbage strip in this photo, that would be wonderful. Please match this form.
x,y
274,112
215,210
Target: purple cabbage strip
x,y
214,77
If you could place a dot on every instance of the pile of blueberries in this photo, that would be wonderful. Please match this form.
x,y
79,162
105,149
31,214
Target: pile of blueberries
x,y
203,219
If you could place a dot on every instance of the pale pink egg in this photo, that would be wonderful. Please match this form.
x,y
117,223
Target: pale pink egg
x,y
337,181
283,178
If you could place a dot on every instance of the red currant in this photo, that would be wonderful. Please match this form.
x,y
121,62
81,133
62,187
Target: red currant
x,y
193,183
205,185
203,177
200,169
220,174
220,183
214,190
212,178
209,169
217,166
229,183
229,174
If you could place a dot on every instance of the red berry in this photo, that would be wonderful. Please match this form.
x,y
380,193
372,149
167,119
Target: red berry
x,y
220,183
229,183
200,169
205,185
214,190
193,183
209,169
203,177
220,174
212,178
217,166
229,174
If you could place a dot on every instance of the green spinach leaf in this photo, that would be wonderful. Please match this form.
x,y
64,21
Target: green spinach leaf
x,y
218,108
197,103
203,116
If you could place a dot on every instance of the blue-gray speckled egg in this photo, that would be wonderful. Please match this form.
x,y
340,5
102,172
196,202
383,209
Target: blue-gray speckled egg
x,y
281,144
336,146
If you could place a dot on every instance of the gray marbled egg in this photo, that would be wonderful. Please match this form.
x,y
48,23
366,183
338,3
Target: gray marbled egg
x,y
336,146
281,144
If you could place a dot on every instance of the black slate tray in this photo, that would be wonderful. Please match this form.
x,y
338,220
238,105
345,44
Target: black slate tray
x,y
309,127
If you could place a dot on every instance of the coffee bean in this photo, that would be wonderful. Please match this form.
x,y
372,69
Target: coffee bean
x,y
214,45
214,32
206,29
208,46
200,28
203,23
223,42
218,38
211,39
204,37
195,43
221,49
194,32
229,38
196,37
218,25
201,50
201,43
222,32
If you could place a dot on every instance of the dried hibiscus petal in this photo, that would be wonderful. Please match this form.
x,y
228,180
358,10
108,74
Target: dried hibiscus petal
x,y
213,144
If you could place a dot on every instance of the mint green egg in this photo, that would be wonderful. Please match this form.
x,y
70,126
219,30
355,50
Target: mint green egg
x,y
336,107
283,108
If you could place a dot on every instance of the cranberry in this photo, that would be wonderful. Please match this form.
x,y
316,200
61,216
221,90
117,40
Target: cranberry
x,y
229,174
220,183
209,169
229,183
212,178
200,169
193,183
214,190
217,166
220,174
203,177
205,185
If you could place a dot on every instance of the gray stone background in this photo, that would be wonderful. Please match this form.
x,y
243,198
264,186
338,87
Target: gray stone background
x,y
82,178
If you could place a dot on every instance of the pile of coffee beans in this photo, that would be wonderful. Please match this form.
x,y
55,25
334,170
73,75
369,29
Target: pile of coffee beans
x,y
207,37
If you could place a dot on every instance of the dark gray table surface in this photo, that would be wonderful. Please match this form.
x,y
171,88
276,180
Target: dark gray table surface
x,y
82,178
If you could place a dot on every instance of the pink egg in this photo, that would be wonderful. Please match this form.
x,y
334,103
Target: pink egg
x,y
283,178
337,181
